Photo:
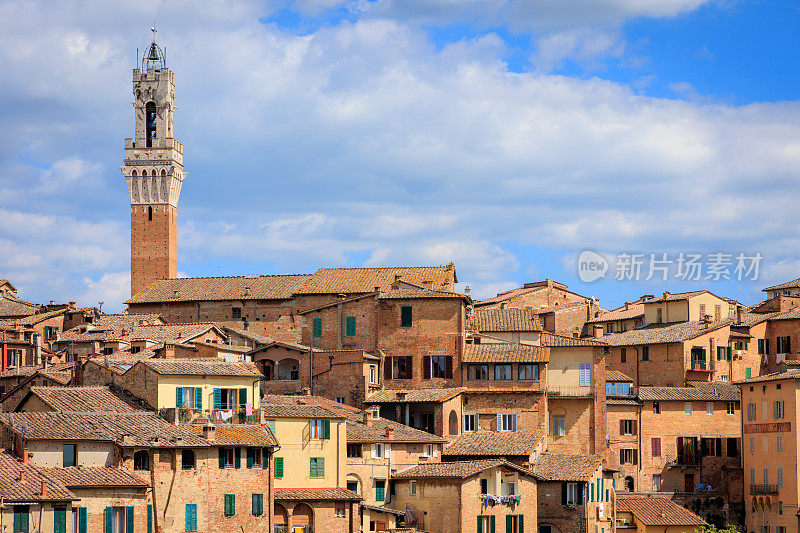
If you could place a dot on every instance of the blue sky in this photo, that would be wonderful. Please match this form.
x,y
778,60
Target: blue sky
x,y
505,136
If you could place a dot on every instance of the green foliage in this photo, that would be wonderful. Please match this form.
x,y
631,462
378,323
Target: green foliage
x,y
715,529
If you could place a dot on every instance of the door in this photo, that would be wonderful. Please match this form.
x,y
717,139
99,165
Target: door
x,y
688,482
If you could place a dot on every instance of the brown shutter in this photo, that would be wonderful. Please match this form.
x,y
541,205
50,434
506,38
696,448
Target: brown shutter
x,y
620,457
426,367
635,457
448,367
655,447
409,367
387,367
621,427
634,427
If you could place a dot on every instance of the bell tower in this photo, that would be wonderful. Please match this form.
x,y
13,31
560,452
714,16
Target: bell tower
x,y
153,171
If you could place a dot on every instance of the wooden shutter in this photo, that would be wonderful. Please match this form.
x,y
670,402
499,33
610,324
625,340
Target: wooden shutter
x,y
760,346
279,467
129,519
788,347
635,429
564,489
198,398
82,526
242,398
510,523
448,367
409,367
257,504
635,457
237,458
621,426
499,421
655,447
520,524
217,398
60,520
621,457
387,367
321,466
222,458
326,429
178,396
316,327
250,459
350,329
149,518
109,519
426,367
480,524
491,523
579,487
406,316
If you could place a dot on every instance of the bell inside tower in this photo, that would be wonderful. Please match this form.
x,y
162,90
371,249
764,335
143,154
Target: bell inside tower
x,y
150,121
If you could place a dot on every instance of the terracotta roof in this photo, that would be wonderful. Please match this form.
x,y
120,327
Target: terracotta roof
x,y
553,340
95,476
413,395
247,334
142,429
242,435
775,376
125,320
663,333
622,401
84,400
702,392
412,292
30,490
33,319
279,287
787,285
333,493
19,371
657,511
557,308
63,378
279,406
203,366
11,306
363,280
494,320
675,296
504,352
634,310
494,443
616,375
558,467
455,469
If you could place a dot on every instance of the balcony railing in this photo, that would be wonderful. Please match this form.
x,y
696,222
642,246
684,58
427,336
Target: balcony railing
x,y
763,489
570,392
219,416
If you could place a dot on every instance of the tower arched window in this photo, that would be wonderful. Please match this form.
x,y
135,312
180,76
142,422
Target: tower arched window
x,y
150,212
150,123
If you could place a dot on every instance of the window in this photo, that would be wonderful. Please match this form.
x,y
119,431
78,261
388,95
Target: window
x,y
70,455
380,450
751,411
656,482
584,375
507,422
572,493
141,460
780,477
558,426
428,450
687,408
338,511
779,444
470,423
412,488
352,486
254,457
339,399
752,444
766,476
316,429
656,408
191,517
765,410
623,355
187,459
230,504
711,447
258,504
401,367
627,427
353,450
507,488
380,490
502,372
373,374
236,312
317,467
655,447
764,443
350,326
717,312
709,408
702,311
438,367
229,457
760,346
783,345
21,518
731,408
732,447
528,371
628,456
279,467
478,372
189,397
777,410
698,356
406,317
316,328
645,353
752,476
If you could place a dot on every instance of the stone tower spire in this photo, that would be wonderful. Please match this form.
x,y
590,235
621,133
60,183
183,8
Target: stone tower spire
x,y
153,171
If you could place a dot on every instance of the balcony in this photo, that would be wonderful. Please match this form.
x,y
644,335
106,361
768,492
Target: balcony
x,y
557,391
216,416
763,489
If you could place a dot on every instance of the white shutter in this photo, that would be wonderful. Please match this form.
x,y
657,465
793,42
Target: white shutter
x,y
374,451
499,422
387,448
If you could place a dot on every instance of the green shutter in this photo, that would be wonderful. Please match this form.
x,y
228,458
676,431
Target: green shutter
x,y
279,467
406,316
191,517
21,517
60,520
271,426
351,326
237,458
250,452
178,396
258,504
109,519
607,496
748,372
760,346
129,519
149,518
82,525
510,523
728,353
198,398
326,428
242,398
380,492
480,524
317,327
230,504
222,458
491,524
217,398
264,458
521,524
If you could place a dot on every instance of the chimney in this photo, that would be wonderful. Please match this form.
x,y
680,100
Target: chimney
x,y
247,291
208,432
467,290
598,331
22,476
307,391
706,321
124,332
377,289
169,350
665,294
738,314
175,293
627,305
72,305
26,456
368,418
44,488
397,277
389,432
52,302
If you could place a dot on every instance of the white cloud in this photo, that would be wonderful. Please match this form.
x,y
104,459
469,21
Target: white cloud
x,y
111,289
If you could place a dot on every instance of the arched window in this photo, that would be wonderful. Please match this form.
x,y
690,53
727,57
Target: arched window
x,y
149,212
629,484
134,174
453,423
150,123
141,460
187,459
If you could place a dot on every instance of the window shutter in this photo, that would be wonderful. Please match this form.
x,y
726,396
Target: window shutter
x,y
656,447
109,519
387,367
387,450
510,523
491,524
579,490
250,457
766,346
409,366
499,422
351,326
321,466
448,368
620,457
788,347
635,429
178,396
760,346
60,520
317,327
621,427
242,398
198,398
426,367
728,353
326,429
256,504
149,519
237,458
520,524
564,490
265,458
82,526
217,398
636,457
480,524
222,458
279,467
129,519
406,317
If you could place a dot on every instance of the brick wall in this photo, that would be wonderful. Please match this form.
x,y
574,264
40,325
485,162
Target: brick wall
x,y
153,244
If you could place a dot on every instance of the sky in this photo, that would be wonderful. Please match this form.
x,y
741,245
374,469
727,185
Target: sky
x,y
506,136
